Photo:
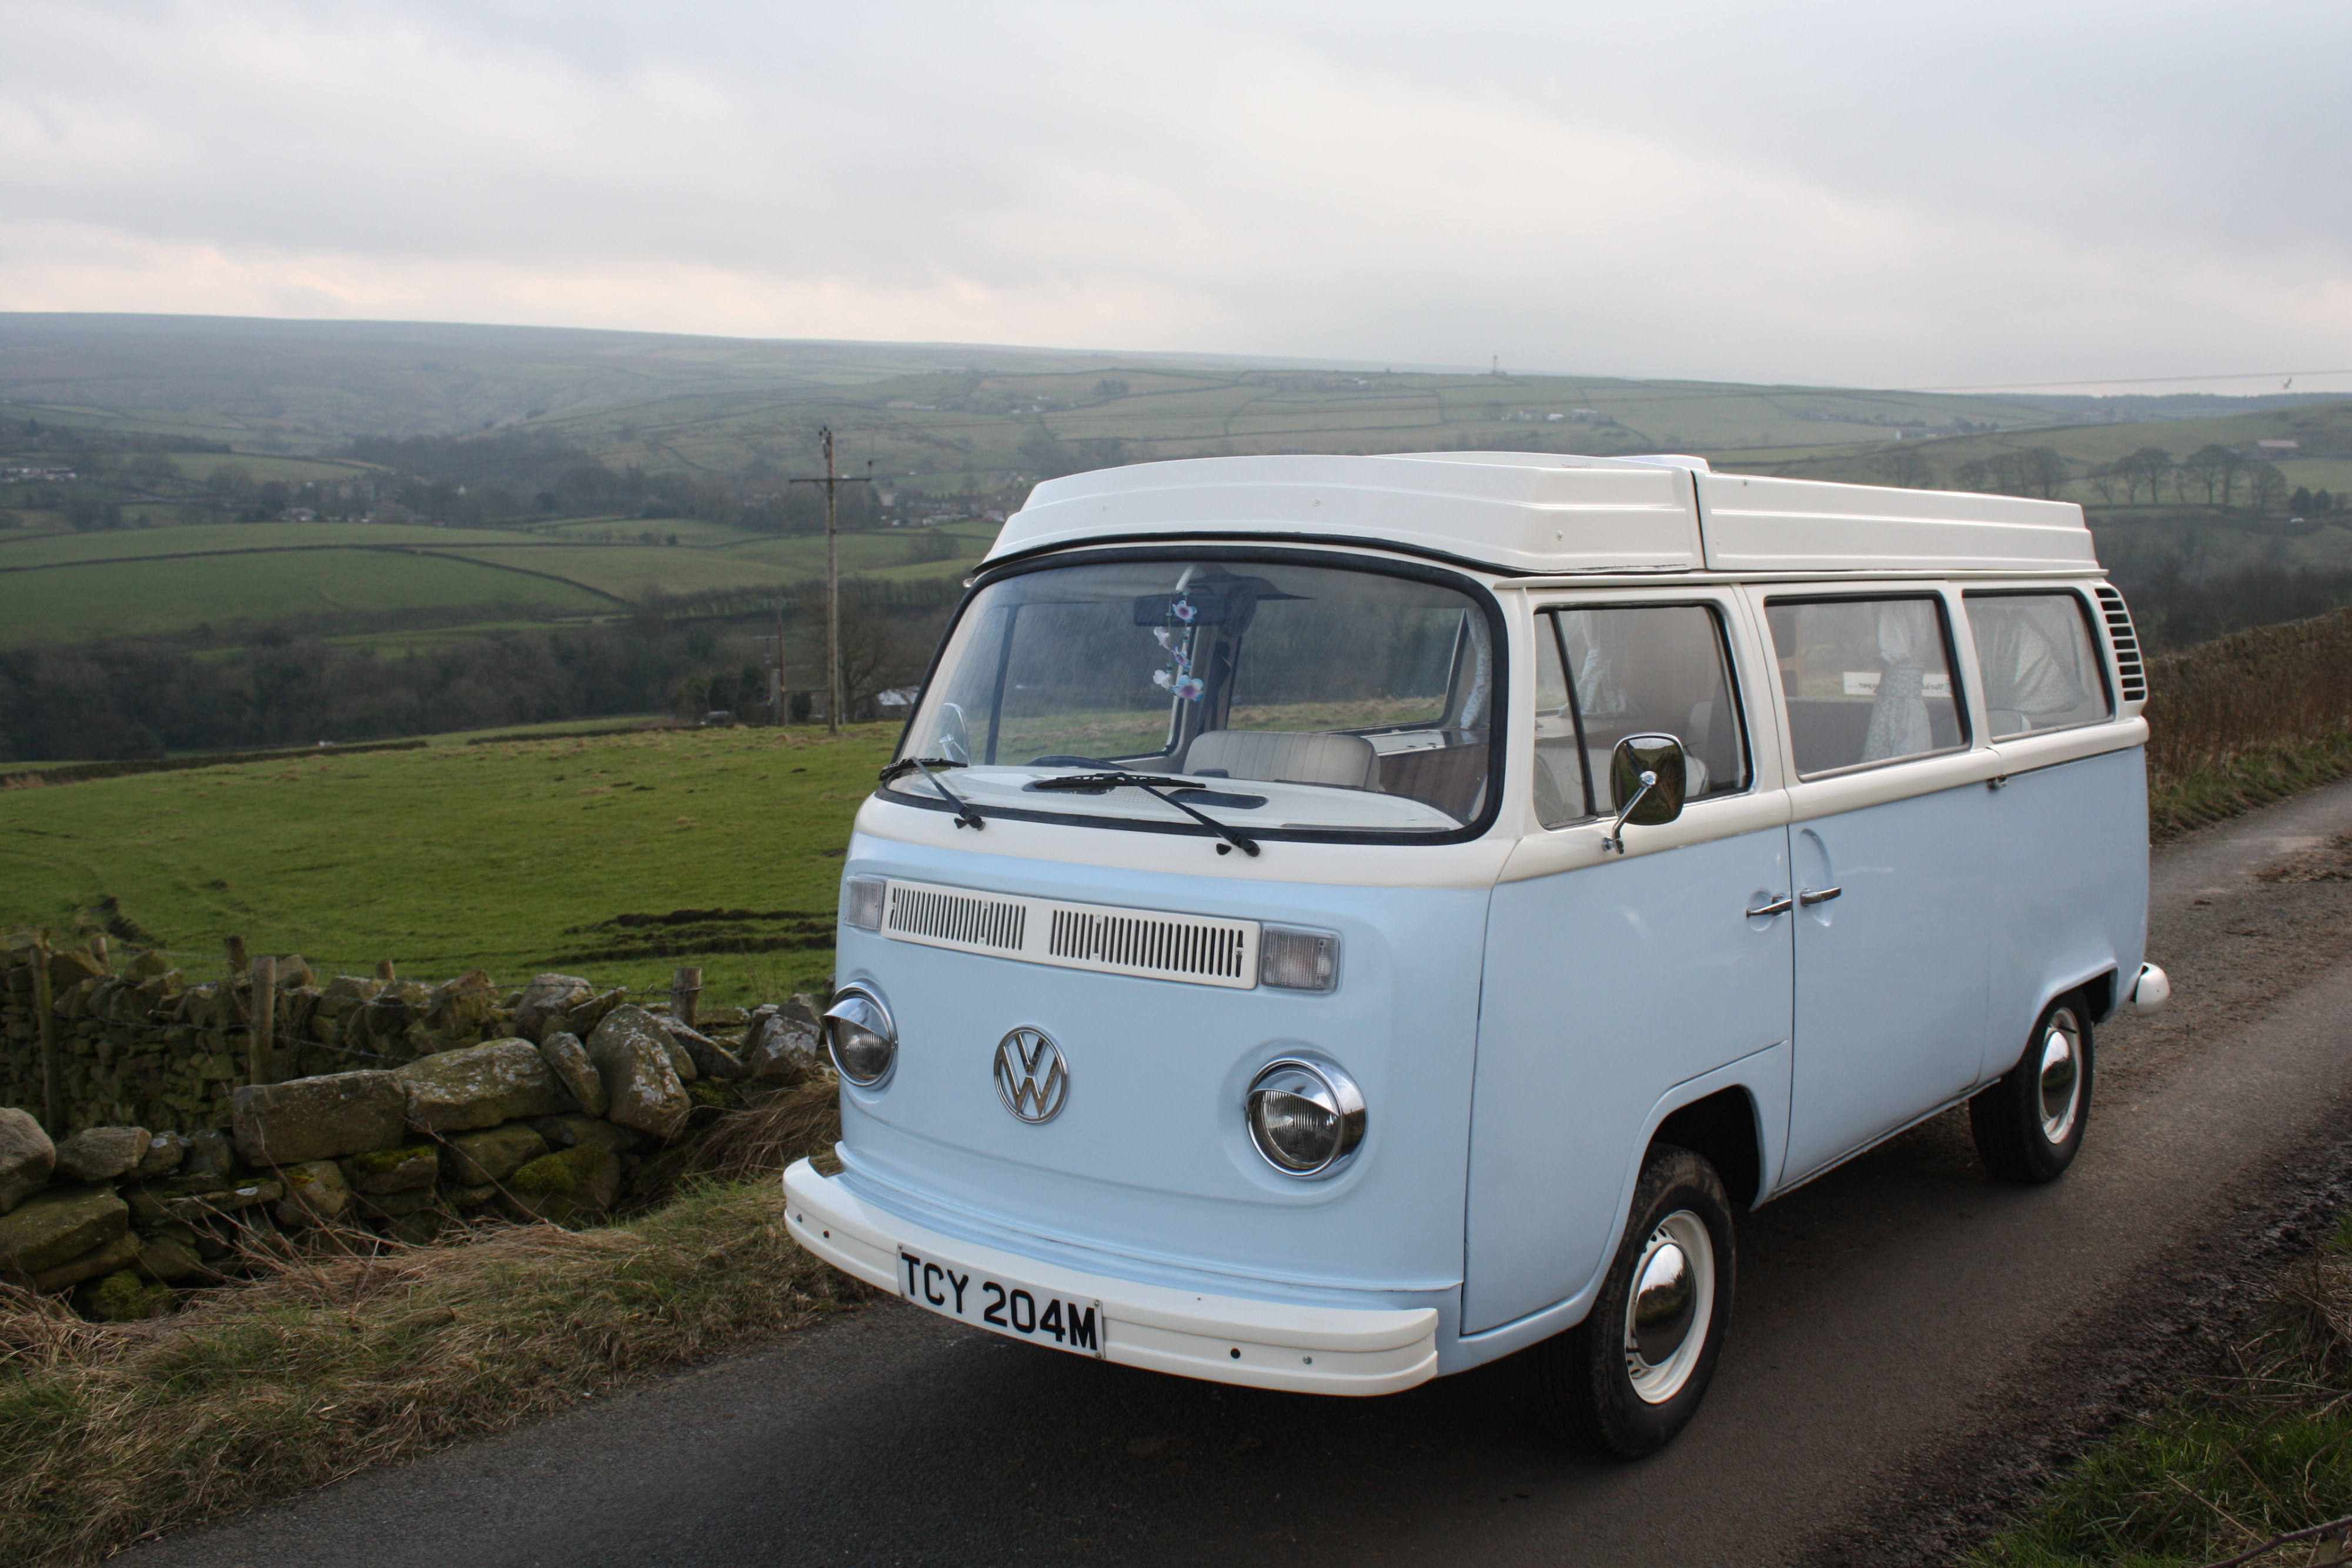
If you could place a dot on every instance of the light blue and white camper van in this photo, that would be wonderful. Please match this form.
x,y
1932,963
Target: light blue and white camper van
x,y
1335,921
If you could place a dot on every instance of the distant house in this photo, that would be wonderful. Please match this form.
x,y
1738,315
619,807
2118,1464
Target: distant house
x,y
2278,445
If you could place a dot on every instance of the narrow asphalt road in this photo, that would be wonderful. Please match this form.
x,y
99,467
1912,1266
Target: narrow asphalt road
x,y
1902,1301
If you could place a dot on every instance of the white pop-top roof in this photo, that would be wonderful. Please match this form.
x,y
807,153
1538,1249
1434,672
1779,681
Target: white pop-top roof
x,y
1543,514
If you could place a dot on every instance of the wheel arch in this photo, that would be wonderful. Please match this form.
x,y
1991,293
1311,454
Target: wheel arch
x,y
2100,999
1725,1129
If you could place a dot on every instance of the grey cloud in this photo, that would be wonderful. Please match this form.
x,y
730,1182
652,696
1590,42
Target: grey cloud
x,y
1799,191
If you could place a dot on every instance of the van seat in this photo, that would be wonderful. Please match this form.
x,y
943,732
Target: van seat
x,y
1287,757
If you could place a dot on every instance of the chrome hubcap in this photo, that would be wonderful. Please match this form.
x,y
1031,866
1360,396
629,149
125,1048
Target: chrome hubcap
x,y
2060,1076
1670,1307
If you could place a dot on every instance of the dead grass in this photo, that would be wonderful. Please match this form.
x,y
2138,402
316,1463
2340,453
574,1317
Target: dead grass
x,y
2247,719
333,1360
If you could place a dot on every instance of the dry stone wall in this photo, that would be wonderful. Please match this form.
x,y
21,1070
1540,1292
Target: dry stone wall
x,y
380,1103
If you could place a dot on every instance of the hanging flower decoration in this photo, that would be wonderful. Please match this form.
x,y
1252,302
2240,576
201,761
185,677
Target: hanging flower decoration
x,y
1177,638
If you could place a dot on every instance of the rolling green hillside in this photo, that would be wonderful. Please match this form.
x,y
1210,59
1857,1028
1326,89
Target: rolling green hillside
x,y
570,853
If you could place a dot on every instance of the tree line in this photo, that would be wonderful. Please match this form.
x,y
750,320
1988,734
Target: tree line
x,y
148,697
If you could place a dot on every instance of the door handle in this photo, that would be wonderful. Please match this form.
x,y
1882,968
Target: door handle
x,y
1807,897
1765,911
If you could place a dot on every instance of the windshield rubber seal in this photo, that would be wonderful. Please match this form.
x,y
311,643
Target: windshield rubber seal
x,y
1195,547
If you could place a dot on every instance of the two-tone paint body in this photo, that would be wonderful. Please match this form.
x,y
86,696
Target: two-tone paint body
x,y
1522,1009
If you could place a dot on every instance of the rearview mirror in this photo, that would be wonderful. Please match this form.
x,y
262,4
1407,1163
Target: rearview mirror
x,y
1646,772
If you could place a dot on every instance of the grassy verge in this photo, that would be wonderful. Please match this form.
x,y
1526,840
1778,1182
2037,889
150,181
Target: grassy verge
x,y
2237,784
2259,1448
2248,718
335,1361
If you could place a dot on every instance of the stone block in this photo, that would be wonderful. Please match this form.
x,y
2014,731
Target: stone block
x,y
172,1259
102,1154
568,1187
567,1060
164,1153
402,1169
642,1089
711,1060
123,1297
481,1086
315,1194
547,1001
479,1159
60,1226
317,1118
107,1256
568,1131
26,1158
782,1050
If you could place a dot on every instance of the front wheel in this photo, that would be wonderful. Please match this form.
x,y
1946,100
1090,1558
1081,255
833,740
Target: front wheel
x,y
2029,1125
1630,1378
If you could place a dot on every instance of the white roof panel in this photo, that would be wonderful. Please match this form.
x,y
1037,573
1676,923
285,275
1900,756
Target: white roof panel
x,y
1544,514
1810,525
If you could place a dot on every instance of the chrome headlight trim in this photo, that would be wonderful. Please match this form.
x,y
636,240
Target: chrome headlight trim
x,y
857,1009
1320,1085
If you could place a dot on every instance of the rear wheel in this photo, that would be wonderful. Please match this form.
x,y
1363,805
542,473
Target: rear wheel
x,y
2029,1125
1631,1376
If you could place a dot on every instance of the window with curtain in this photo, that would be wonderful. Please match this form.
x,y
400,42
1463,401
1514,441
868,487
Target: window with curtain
x,y
1867,681
2040,661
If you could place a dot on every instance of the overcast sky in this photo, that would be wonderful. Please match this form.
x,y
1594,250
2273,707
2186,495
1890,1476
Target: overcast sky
x,y
1956,194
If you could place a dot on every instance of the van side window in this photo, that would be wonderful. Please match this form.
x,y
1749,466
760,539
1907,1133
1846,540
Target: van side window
x,y
2039,661
1867,680
1657,669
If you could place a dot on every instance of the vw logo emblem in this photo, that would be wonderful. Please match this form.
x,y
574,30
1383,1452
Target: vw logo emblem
x,y
1030,1078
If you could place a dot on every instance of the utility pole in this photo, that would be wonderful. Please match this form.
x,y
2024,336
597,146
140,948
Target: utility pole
x,y
832,482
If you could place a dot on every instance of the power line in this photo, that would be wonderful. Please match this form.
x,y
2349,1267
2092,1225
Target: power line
x,y
2136,380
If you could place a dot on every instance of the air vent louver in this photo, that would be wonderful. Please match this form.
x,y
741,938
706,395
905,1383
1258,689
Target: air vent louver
x,y
2131,676
1195,949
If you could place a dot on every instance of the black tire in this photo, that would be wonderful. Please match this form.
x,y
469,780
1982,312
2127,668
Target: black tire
x,y
1586,1375
2029,1126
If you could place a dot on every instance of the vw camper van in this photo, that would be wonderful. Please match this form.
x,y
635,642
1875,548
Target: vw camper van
x,y
1332,921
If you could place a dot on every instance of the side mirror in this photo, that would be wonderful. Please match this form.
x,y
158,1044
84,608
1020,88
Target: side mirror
x,y
1646,772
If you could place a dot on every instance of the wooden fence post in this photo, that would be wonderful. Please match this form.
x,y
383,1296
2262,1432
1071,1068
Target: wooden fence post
x,y
53,1089
685,988
237,961
260,1063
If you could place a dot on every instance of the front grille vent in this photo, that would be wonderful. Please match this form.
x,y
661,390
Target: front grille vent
x,y
2131,676
1195,949
957,919
1149,945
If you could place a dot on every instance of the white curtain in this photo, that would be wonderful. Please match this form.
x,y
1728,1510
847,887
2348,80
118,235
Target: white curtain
x,y
1898,718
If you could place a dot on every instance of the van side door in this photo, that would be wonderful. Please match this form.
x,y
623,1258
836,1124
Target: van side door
x,y
1890,843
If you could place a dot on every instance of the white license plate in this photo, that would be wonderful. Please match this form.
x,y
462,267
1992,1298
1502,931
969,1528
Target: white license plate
x,y
1002,1306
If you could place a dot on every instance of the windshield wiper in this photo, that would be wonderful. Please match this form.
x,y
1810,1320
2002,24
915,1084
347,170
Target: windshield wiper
x,y
965,816
1115,776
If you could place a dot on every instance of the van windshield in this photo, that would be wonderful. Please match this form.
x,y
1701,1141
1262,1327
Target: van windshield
x,y
1271,695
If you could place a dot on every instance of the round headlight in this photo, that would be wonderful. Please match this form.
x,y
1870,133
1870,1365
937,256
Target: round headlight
x,y
1306,1117
859,1033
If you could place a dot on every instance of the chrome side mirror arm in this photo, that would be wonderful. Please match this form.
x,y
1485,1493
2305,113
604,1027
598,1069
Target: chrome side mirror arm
x,y
1616,839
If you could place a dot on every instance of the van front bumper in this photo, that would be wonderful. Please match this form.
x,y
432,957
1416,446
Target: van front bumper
x,y
1224,1339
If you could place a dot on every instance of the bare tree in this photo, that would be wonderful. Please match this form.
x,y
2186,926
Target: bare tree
x,y
1907,466
2266,489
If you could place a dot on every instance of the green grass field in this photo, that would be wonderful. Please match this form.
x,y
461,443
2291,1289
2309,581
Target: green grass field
x,y
516,855
133,544
78,604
